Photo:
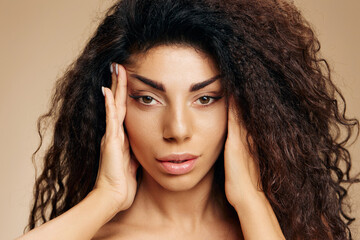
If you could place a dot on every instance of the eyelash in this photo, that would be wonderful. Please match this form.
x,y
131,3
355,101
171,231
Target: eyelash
x,y
212,100
139,99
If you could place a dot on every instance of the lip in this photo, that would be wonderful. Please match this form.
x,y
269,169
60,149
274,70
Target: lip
x,y
178,164
177,157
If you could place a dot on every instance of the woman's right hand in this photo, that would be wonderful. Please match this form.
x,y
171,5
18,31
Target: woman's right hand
x,y
117,169
115,186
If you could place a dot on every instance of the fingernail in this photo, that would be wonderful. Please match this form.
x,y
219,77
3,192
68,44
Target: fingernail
x,y
111,68
116,69
103,91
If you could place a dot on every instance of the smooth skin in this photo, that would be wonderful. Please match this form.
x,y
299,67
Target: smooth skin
x,y
166,206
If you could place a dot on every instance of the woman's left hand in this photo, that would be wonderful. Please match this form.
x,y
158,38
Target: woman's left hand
x,y
242,175
243,185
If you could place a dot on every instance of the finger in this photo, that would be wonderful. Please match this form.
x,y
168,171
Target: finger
x,y
111,114
121,91
237,136
236,129
113,78
233,122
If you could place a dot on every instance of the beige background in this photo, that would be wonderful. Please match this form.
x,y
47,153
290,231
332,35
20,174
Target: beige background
x,y
39,38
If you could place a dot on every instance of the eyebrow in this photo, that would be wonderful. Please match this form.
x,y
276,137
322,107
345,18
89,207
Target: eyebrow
x,y
159,86
200,85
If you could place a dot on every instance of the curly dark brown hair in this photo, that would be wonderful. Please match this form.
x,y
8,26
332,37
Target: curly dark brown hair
x,y
270,63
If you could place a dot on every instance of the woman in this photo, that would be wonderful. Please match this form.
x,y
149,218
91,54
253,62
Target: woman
x,y
216,121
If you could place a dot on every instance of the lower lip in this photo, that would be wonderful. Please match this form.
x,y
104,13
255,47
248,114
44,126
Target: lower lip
x,y
178,168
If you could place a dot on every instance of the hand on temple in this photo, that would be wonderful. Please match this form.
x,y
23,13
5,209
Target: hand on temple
x,y
117,170
243,185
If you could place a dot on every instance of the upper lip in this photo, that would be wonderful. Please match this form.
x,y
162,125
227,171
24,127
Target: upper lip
x,y
178,157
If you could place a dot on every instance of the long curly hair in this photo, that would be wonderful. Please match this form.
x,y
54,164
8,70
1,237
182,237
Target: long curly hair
x,y
269,60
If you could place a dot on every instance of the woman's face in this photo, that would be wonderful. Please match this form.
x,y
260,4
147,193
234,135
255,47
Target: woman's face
x,y
176,115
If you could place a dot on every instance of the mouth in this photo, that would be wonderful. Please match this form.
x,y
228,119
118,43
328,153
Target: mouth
x,y
176,157
178,164
174,161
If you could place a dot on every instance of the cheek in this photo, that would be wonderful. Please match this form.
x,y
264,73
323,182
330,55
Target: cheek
x,y
141,129
212,126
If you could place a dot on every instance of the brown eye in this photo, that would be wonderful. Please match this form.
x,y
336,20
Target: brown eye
x,y
207,100
147,99
204,100
144,100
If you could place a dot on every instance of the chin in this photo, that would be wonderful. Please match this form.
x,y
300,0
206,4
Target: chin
x,y
181,183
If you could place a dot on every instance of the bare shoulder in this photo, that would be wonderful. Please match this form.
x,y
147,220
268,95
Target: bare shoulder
x,y
112,230
106,232
115,229
118,229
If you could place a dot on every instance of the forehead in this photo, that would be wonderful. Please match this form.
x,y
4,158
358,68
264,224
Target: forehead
x,y
173,64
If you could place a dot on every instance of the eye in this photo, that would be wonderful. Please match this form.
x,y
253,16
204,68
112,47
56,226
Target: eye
x,y
206,100
146,100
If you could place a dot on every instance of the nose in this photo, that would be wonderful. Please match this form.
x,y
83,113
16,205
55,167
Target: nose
x,y
177,124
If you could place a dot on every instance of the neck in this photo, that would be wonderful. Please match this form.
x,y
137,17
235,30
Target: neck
x,y
191,206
